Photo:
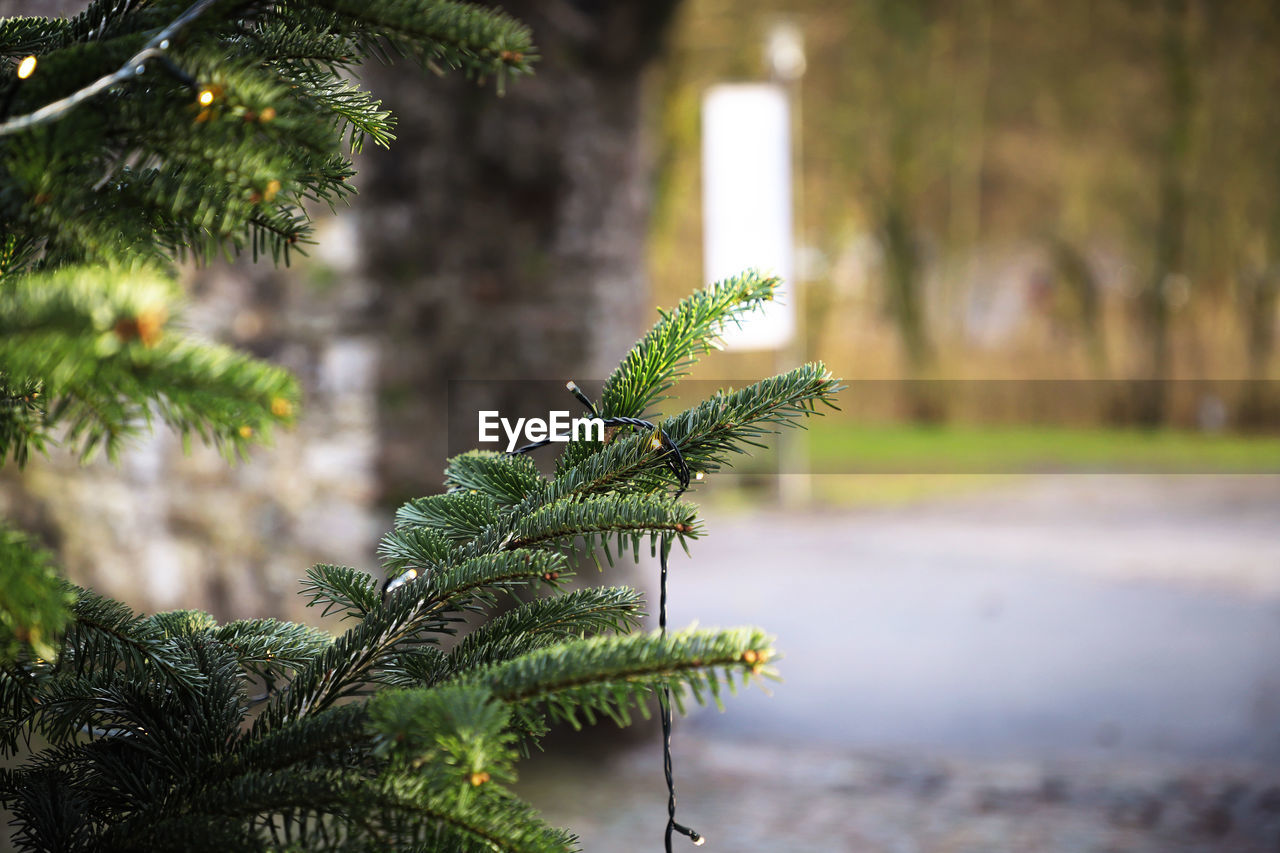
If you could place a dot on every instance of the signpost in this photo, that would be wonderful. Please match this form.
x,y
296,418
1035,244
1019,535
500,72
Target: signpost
x,y
747,211
746,198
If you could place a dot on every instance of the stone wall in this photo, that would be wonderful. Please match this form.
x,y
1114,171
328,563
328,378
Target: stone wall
x,y
165,528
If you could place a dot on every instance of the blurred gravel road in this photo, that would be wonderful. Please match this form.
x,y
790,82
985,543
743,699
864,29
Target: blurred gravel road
x,y
1064,663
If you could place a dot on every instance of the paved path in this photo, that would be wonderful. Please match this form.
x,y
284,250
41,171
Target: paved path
x,y
1062,663
1063,616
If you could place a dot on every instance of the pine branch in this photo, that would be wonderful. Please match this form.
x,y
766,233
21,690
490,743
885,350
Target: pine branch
x,y
105,635
457,516
237,807
449,735
400,803
732,421
98,346
415,547
665,353
235,122
609,675
504,478
146,716
544,622
269,647
341,589
35,604
441,34
334,738
22,37
491,820
178,725
629,518
132,67
181,623
346,666
22,421
728,423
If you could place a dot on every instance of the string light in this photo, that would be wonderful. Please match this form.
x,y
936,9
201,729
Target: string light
x,y
581,397
147,326
26,67
680,468
395,583
205,98
133,66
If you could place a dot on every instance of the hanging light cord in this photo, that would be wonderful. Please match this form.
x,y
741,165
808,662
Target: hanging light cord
x,y
675,461
154,49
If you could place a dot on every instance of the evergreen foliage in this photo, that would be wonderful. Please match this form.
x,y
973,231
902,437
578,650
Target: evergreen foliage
x,y
174,732
170,731
210,126
34,603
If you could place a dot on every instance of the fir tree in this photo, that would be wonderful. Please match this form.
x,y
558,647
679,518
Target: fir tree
x,y
171,731
174,732
144,131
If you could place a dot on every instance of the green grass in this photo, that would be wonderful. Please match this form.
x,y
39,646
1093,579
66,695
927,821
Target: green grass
x,y
841,447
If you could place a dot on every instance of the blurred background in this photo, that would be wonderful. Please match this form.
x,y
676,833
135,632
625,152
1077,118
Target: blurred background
x,y
1027,581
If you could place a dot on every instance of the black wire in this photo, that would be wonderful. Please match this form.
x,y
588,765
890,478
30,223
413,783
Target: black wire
x,y
680,468
664,705
533,446
136,64
676,462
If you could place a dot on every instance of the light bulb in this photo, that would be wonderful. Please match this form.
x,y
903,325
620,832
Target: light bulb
x,y
401,580
26,67
205,98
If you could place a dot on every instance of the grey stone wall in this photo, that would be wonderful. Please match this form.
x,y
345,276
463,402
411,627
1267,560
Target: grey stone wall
x,y
165,528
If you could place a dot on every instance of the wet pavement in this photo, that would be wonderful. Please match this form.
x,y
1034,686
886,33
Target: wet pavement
x,y
1057,663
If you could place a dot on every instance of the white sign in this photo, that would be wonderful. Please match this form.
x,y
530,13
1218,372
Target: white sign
x,y
746,200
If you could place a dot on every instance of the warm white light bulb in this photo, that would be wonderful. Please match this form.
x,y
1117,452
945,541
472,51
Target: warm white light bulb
x,y
403,579
698,476
26,67
206,97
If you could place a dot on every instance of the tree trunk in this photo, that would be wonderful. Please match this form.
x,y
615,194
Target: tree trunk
x,y
1170,238
505,236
